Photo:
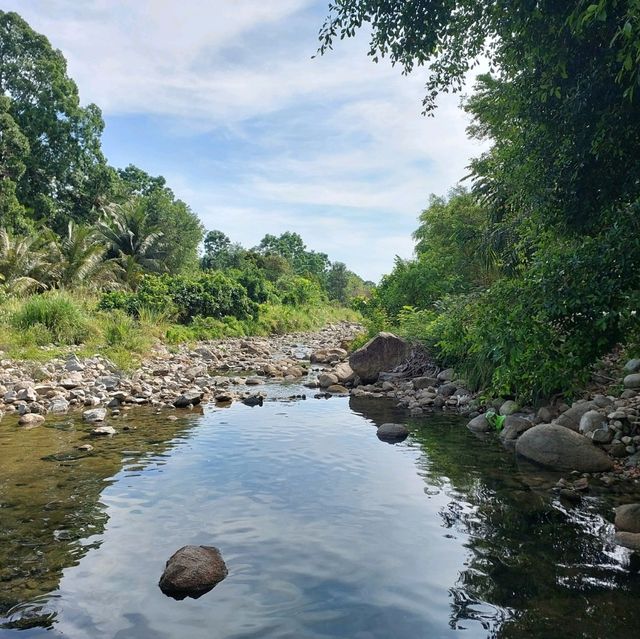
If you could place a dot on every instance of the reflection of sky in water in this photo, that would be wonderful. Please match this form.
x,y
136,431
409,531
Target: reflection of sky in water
x,y
326,531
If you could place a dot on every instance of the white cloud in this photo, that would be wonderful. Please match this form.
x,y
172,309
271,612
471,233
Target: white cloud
x,y
334,148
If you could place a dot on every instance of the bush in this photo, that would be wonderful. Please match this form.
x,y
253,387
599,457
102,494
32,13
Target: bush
x,y
56,313
298,291
206,295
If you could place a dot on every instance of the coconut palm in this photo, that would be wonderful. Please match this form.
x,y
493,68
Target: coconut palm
x,y
79,258
134,243
22,262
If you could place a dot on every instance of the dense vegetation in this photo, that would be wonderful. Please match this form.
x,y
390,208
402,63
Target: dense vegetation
x,y
91,254
529,275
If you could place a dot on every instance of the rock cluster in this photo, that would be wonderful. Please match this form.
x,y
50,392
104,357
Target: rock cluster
x,y
213,371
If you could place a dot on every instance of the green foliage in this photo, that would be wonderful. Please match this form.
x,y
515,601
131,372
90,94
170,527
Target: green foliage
x,y
207,295
52,318
299,291
291,247
65,173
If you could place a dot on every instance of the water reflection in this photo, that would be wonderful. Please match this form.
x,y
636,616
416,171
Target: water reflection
x,y
326,531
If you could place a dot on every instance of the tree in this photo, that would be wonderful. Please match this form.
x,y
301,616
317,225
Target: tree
x,y
14,149
337,282
291,247
135,244
78,259
220,253
65,172
22,262
181,228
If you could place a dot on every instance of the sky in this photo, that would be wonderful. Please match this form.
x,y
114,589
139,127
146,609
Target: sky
x,y
225,99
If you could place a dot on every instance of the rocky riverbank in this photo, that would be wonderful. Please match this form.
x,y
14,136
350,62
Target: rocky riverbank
x,y
221,371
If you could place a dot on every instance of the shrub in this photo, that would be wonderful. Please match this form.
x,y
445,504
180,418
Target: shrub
x,y
58,314
206,294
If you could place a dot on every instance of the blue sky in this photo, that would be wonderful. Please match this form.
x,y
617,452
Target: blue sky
x,y
223,98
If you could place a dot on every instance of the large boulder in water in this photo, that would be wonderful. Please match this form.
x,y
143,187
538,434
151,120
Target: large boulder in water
x,y
192,571
628,518
561,448
392,433
382,353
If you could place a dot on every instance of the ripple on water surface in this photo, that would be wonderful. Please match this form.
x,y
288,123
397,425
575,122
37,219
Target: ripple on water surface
x,y
327,532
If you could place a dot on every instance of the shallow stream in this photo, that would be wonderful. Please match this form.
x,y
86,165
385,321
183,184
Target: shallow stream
x,y
326,531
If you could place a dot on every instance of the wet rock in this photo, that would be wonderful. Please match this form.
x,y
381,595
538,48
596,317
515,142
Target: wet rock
x,y
447,390
253,400
253,381
479,424
602,435
104,430
189,398
628,540
86,448
30,419
27,394
382,353
392,433
94,415
561,448
192,571
628,518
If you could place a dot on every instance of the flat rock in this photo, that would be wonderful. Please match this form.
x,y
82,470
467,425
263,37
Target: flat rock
x,y
189,398
561,448
392,432
192,571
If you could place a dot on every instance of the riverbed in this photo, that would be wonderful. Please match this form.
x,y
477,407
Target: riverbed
x,y
326,531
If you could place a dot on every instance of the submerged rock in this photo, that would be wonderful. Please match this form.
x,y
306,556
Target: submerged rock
x,y
392,433
382,353
563,449
192,571
30,419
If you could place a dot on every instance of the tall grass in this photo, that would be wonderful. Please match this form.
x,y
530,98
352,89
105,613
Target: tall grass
x,y
51,318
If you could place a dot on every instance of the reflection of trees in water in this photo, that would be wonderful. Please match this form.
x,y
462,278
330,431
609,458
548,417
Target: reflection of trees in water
x,y
536,567
50,509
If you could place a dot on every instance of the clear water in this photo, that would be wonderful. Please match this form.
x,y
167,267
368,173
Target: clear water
x,y
326,531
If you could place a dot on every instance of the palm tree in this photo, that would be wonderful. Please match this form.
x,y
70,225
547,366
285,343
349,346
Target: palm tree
x,y
22,262
135,244
78,258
